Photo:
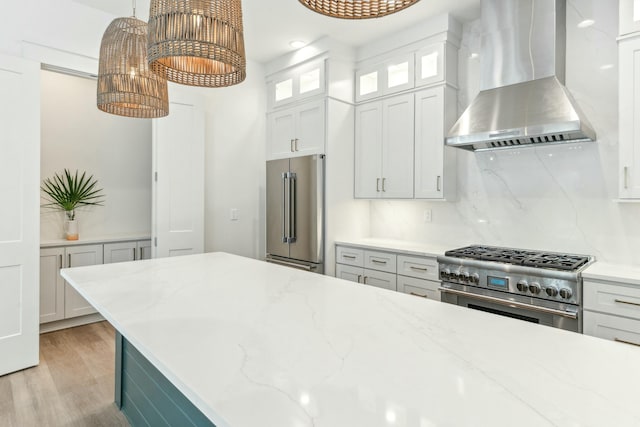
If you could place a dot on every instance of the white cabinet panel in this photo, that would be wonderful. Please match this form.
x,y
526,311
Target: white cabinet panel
x,y
379,279
420,288
120,252
611,298
381,261
629,116
349,272
418,267
397,147
79,256
613,328
144,249
368,150
299,83
350,256
384,148
51,285
296,131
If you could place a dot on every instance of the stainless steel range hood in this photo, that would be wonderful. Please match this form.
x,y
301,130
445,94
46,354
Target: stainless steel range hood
x,y
522,101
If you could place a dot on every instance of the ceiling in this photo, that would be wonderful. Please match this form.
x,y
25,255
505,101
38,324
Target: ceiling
x,y
270,25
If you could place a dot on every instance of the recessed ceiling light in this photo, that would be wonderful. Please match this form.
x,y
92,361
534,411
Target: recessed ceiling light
x,y
297,44
586,23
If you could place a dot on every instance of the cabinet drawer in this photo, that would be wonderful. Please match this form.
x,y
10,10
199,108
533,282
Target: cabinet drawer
x,y
419,288
612,299
419,267
350,256
379,279
380,261
612,328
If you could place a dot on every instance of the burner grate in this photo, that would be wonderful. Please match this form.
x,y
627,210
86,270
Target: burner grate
x,y
523,257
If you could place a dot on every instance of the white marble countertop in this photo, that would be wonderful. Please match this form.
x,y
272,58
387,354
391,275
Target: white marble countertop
x,y
399,246
626,274
255,344
92,240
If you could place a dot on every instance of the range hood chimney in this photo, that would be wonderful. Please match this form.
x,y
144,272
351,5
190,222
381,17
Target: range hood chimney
x,y
522,99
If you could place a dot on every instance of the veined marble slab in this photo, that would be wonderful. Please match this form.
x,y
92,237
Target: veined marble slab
x,y
256,344
397,246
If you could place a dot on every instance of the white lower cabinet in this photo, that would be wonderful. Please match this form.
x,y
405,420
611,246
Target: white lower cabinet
x,y
58,300
127,251
415,275
612,311
79,256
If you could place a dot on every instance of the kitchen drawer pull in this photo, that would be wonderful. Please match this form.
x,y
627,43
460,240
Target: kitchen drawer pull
x,y
418,295
627,302
377,261
626,342
417,268
349,256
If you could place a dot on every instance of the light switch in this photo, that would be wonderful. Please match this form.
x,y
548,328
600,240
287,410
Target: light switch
x,y
233,214
426,215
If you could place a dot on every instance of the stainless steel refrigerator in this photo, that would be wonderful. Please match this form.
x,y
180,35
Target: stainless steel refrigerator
x,y
295,212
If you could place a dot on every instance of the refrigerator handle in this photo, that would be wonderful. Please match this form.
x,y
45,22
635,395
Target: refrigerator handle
x,y
285,212
292,207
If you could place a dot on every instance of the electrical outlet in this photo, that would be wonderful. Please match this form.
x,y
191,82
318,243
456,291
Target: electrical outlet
x,y
426,215
233,214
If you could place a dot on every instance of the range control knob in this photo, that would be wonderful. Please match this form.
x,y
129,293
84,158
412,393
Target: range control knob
x,y
566,293
552,290
445,274
535,288
475,278
522,286
465,277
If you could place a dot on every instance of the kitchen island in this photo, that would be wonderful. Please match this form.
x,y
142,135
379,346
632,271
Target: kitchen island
x,y
255,344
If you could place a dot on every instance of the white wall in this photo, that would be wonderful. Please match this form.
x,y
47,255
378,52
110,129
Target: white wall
x,y
115,150
559,198
235,166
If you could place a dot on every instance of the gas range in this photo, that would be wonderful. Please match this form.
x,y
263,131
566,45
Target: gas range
x,y
530,280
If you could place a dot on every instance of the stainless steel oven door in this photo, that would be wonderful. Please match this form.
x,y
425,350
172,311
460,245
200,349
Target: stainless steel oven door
x,y
549,313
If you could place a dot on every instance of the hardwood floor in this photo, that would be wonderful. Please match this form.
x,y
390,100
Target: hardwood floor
x,y
72,386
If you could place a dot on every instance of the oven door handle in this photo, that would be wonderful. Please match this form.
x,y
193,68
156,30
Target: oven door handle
x,y
515,304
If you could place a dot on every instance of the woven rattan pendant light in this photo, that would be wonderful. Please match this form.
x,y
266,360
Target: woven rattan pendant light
x,y
197,42
126,84
357,9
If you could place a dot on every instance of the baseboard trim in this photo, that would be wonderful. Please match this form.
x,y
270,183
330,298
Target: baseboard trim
x,y
70,323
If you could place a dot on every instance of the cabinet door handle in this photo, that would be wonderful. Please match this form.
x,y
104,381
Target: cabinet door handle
x,y
418,295
626,342
438,183
295,144
60,262
626,174
141,253
383,181
359,277
417,268
377,185
134,254
291,145
364,281
69,265
377,261
627,302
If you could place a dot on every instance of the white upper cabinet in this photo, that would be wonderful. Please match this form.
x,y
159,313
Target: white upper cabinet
x,y
296,131
629,16
384,148
435,163
629,101
389,77
297,83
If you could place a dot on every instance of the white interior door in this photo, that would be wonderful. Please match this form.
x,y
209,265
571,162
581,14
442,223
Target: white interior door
x,y
178,187
19,212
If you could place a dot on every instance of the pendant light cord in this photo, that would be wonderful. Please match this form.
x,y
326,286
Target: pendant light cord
x,y
133,3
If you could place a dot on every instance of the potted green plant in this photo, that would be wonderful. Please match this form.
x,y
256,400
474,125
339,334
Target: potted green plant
x,y
69,191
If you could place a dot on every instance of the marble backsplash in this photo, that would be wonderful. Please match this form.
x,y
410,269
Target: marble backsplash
x,y
557,198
